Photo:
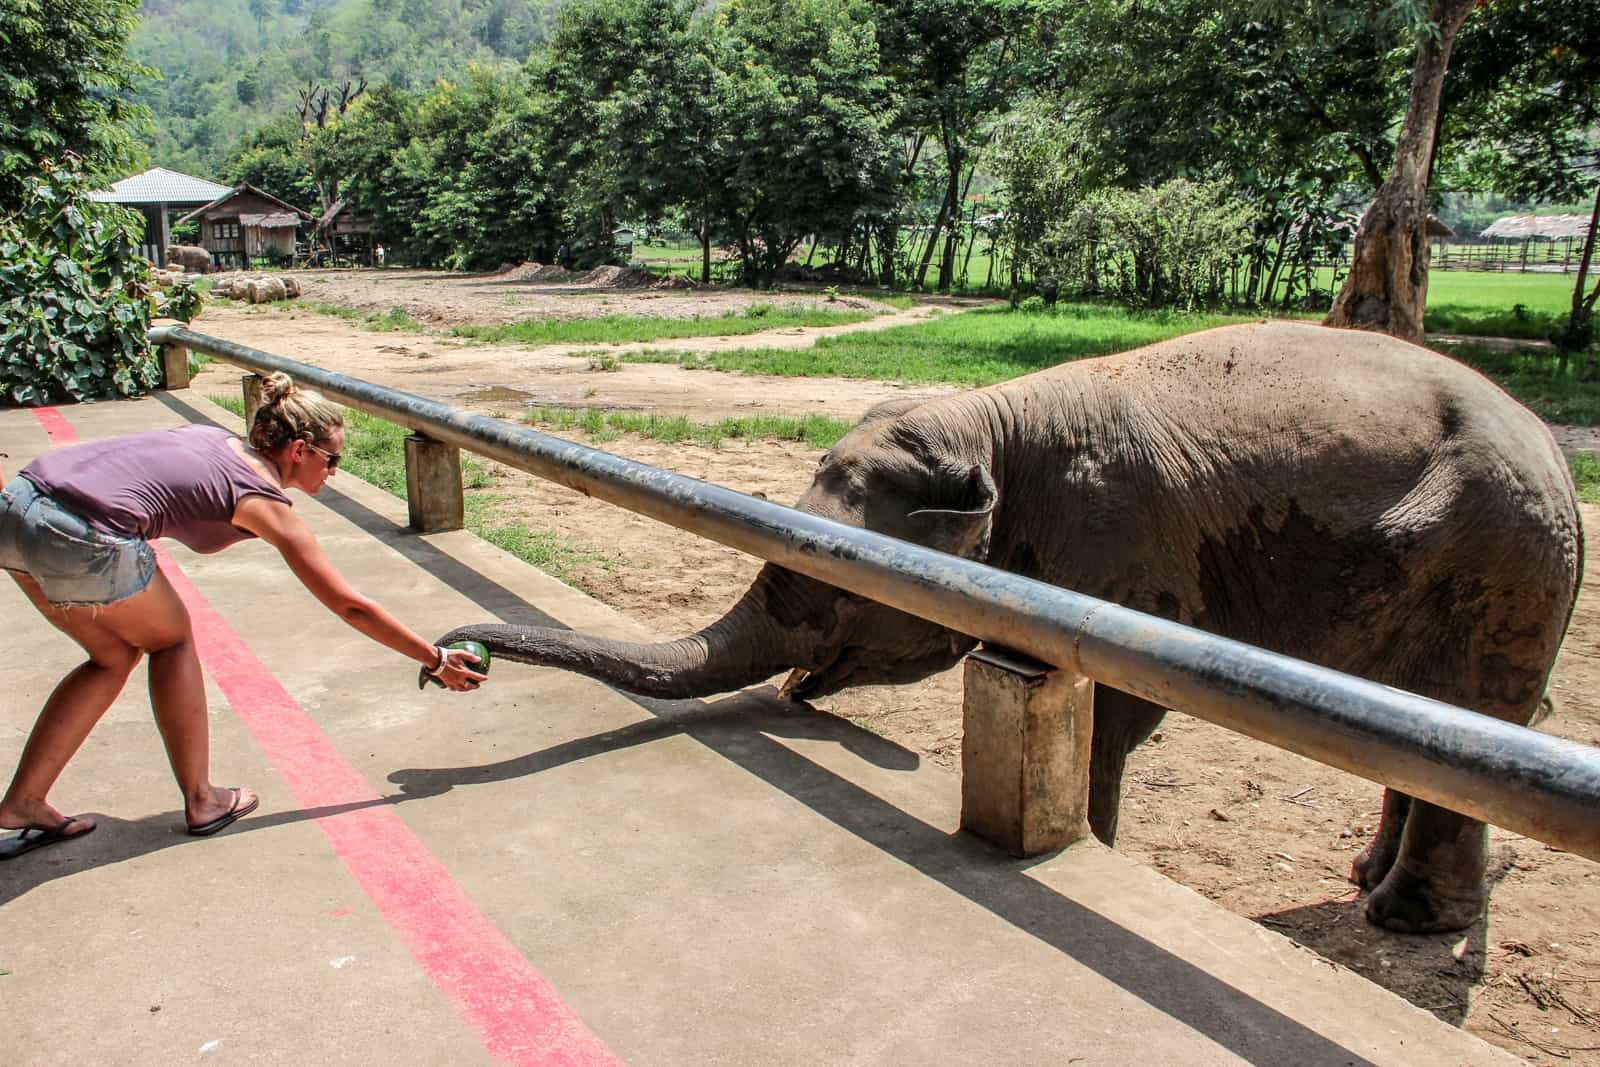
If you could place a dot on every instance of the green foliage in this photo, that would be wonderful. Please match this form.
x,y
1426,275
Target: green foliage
x,y
1586,476
808,147
1175,245
74,304
232,65
182,301
64,80
619,329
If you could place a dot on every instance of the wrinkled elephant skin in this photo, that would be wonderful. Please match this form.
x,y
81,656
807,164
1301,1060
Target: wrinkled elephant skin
x,y
1338,496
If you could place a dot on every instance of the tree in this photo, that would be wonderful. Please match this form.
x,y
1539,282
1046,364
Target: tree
x,y
809,146
1525,97
1290,104
273,158
64,71
951,66
1387,287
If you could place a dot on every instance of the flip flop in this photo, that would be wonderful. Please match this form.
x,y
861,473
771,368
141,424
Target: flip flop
x,y
33,837
206,829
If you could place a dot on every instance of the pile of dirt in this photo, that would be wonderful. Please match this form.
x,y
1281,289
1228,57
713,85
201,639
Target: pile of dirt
x,y
618,277
537,272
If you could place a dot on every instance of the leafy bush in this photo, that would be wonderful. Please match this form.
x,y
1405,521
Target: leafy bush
x,y
74,295
1172,245
181,302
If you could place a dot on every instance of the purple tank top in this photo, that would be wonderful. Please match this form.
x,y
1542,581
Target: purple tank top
x,y
183,484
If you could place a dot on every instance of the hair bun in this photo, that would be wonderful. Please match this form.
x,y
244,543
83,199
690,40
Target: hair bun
x,y
275,387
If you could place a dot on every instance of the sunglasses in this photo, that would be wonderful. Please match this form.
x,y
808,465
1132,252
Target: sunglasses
x,y
331,457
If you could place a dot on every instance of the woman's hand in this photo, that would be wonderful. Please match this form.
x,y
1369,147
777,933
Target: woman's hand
x,y
455,670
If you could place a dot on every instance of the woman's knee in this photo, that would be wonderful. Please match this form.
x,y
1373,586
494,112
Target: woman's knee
x,y
114,655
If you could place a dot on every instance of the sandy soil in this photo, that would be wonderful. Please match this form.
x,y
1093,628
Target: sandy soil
x,y
1263,832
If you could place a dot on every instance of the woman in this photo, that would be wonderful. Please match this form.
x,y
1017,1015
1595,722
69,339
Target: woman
x,y
75,528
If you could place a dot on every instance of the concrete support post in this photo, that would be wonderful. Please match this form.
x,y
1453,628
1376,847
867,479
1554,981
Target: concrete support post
x,y
174,359
433,485
252,384
1025,753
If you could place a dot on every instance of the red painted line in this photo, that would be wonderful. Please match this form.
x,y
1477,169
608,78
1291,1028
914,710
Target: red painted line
x,y
517,1013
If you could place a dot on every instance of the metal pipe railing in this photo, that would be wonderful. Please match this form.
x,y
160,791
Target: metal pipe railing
x,y
1545,787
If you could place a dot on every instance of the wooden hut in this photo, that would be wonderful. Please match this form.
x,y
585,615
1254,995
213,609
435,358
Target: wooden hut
x,y
247,224
345,234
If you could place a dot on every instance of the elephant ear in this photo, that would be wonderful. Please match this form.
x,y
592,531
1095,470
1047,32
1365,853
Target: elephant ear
x,y
957,515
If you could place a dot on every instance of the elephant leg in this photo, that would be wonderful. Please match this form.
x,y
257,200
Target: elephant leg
x,y
1121,722
1437,881
1373,865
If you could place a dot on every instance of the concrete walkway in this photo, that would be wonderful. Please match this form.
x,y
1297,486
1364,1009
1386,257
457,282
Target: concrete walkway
x,y
549,871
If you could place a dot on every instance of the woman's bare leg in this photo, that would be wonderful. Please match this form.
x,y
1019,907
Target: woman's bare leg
x,y
153,621
71,711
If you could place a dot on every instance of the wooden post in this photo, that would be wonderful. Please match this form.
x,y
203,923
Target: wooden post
x,y
433,485
1025,753
252,384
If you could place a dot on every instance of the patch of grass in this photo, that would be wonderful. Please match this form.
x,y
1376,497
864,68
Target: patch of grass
x,y
1531,377
617,329
972,348
817,431
898,301
1586,476
1519,321
393,320
557,556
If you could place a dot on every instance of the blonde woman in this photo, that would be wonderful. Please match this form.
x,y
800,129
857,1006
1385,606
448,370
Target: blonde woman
x,y
75,527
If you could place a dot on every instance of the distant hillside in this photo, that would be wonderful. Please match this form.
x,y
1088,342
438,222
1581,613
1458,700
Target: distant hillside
x,y
230,65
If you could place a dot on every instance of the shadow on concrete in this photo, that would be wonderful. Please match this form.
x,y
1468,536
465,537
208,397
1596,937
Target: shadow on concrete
x,y
737,729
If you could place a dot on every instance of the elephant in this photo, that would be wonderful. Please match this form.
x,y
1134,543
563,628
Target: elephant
x,y
190,258
1338,496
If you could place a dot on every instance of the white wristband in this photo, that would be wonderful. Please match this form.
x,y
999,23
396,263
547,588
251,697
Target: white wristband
x,y
444,658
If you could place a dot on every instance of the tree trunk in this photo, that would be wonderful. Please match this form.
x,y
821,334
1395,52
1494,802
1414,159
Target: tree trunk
x,y
933,236
1387,287
1580,331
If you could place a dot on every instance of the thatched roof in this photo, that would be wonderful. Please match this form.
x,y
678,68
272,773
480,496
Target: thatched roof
x,y
282,220
1546,227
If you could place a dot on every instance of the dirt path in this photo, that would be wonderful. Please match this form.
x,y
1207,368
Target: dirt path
x,y
1263,832
507,377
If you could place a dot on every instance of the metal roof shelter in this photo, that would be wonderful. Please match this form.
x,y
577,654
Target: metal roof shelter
x,y
157,193
161,186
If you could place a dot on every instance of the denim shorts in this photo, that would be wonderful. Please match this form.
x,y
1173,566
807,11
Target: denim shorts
x,y
74,563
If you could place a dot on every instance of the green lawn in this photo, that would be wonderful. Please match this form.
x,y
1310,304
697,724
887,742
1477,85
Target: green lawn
x,y
1497,305
1531,377
817,431
616,329
972,348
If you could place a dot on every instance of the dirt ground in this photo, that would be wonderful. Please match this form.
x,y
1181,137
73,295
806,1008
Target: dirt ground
x,y
1263,832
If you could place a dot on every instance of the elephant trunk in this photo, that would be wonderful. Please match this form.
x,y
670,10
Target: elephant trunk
x,y
745,646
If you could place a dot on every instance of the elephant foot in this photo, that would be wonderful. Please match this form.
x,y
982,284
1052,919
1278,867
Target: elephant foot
x,y
1407,904
1372,866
